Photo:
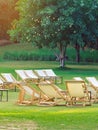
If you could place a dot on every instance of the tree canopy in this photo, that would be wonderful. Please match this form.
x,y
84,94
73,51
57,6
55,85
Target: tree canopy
x,y
57,23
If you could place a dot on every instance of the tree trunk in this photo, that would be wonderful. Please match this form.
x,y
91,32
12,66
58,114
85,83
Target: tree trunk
x,y
62,63
62,55
77,47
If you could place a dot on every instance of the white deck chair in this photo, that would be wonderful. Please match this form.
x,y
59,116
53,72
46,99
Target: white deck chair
x,y
10,81
93,81
22,75
9,77
24,90
50,73
77,92
89,88
93,87
36,97
42,74
32,75
32,95
27,87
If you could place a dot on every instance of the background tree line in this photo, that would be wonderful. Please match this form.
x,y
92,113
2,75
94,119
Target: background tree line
x,y
57,24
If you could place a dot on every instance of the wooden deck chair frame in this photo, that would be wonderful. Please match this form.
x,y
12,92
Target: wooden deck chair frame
x,y
56,97
77,93
28,82
93,85
25,89
36,96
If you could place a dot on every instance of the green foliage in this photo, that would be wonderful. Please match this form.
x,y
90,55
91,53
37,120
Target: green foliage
x,y
45,22
26,52
57,23
87,55
25,56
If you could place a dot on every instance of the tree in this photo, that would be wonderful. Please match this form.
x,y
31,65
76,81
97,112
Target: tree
x,y
54,23
85,28
7,15
91,36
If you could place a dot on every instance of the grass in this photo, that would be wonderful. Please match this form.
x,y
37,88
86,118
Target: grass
x,y
49,118
52,118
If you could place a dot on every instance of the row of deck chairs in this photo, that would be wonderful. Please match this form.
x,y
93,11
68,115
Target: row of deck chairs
x,y
43,91
47,74
24,84
44,81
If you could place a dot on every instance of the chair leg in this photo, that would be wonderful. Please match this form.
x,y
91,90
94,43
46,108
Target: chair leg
x,y
21,96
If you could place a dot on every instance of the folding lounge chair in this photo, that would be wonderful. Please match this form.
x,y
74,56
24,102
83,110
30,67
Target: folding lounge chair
x,y
50,73
28,77
22,75
43,76
50,79
32,75
56,97
89,88
10,81
29,95
3,88
77,93
3,84
93,87
25,90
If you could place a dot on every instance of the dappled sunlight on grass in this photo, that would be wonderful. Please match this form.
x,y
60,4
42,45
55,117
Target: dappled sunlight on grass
x,y
21,110
29,64
83,67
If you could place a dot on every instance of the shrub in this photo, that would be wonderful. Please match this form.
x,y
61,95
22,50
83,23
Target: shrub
x,y
27,56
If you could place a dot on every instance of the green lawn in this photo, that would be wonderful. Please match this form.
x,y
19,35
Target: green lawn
x,y
48,118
